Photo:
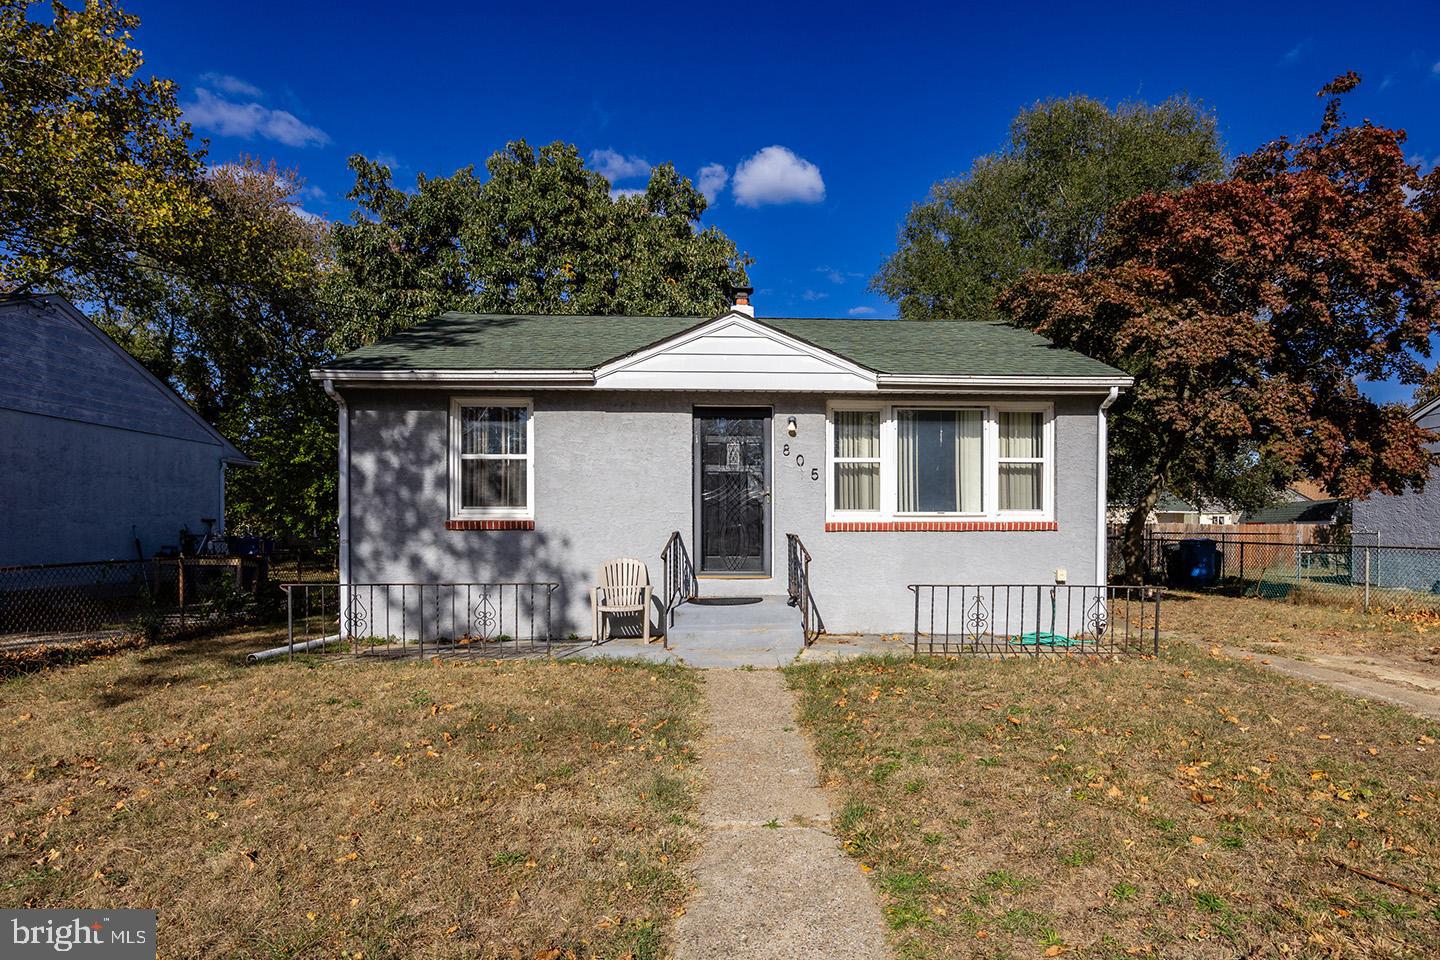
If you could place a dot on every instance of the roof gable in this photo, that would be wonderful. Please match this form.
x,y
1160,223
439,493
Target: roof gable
x,y
734,352
54,362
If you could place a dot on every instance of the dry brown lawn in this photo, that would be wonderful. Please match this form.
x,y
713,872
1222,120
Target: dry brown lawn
x,y
321,809
1190,806
1295,629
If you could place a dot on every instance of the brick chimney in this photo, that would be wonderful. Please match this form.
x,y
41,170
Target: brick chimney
x,y
742,301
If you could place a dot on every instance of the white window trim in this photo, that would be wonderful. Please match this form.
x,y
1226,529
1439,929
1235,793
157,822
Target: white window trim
x,y
989,452
862,406
458,512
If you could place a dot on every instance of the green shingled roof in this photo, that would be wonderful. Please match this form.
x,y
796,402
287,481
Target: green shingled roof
x,y
471,341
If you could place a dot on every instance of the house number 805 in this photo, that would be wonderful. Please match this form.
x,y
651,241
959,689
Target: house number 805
x,y
800,461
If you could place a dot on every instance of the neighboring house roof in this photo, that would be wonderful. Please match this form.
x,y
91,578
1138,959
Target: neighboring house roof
x,y
74,370
1169,503
469,341
1296,511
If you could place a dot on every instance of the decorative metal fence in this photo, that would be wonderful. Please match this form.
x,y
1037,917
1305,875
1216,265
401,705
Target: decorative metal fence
x,y
75,601
474,620
798,568
1360,573
1032,620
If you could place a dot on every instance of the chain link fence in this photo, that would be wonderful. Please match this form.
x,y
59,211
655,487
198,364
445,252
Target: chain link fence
x,y
1357,572
73,602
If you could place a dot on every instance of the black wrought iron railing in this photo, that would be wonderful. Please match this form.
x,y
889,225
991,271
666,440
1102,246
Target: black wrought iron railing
x,y
1007,620
798,566
680,584
480,620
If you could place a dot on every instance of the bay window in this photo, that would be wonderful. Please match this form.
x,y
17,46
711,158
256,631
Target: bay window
x,y
937,460
491,458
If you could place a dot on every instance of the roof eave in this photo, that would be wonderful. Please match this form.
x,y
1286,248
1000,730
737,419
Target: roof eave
x,y
577,377
1049,383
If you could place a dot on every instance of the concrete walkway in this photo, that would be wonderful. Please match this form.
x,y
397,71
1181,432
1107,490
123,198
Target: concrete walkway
x,y
771,880
1358,676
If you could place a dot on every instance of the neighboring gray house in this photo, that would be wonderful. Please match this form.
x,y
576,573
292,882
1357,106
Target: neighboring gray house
x,y
526,448
97,451
1408,519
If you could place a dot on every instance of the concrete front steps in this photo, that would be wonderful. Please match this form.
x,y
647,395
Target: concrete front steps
x,y
764,634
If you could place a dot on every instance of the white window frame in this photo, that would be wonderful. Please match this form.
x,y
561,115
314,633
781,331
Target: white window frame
x,y
855,406
1046,459
457,512
989,452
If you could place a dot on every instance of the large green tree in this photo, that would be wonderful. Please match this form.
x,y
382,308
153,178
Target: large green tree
x,y
235,329
541,234
98,179
1039,204
1248,310
207,274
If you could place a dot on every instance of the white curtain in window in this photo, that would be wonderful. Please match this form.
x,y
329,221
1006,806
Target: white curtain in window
x,y
938,457
1022,438
857,481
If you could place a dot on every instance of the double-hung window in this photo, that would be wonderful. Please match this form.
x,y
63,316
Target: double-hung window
x,y
856,459
1021,461
936,460
492,458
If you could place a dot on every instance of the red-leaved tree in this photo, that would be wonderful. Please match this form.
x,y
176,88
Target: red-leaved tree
x,y
1247,309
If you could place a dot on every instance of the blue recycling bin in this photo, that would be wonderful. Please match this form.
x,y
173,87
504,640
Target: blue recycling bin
x,y
1193,563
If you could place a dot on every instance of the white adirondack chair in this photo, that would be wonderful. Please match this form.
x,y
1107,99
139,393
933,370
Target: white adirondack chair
x,y
624,588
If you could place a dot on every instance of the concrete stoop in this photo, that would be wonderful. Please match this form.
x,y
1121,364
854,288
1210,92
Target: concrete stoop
x,y
764,634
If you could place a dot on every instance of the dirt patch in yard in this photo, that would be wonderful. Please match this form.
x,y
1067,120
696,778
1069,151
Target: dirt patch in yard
x,y
332,809
1272,626
1194,806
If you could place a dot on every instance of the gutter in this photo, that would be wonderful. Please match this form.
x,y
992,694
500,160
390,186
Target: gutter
x,y
1102,488
343,514
925,381
580,377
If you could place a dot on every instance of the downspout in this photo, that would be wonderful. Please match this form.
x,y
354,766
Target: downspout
x,y
1102,490
343,513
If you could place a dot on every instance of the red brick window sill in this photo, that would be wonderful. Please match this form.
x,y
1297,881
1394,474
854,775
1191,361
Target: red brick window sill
x,y
489,524
937,526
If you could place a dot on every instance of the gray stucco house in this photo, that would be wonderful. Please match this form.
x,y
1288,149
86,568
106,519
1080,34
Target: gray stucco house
x,y
98,452
484,448
1410,518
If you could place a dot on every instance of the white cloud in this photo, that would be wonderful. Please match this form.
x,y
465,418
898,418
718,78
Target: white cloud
x,y
312,192
306,215
234,86
617,192
813,295
711,180
615,166
250,120
1436,68
777,175
387,160
860,311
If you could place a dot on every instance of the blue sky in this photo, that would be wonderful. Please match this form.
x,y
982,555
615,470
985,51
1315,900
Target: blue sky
x,y
870,103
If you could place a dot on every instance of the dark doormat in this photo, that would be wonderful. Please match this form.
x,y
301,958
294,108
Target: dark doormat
x,y
724,601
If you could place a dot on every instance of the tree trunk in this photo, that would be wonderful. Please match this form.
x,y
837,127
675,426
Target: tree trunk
x,y
1132,547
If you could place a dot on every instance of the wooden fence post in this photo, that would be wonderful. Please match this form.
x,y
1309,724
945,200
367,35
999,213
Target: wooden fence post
x,y
180,587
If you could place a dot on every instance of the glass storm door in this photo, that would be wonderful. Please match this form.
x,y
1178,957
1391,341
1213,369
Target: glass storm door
x,y
732,489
